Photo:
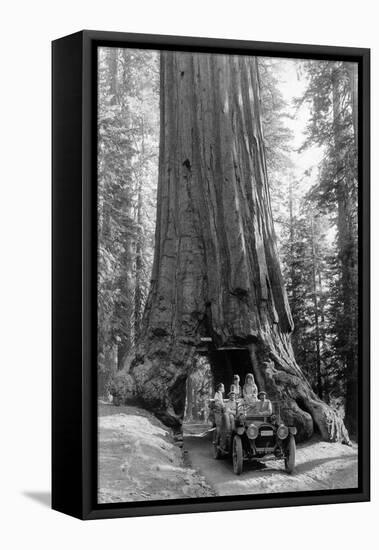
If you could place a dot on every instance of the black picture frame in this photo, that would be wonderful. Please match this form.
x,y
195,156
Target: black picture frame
x,y
74,418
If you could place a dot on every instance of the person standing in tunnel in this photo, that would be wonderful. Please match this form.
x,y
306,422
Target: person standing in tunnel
x,y
265,404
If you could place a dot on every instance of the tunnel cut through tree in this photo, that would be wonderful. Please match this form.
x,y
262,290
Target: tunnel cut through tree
x,y
216,270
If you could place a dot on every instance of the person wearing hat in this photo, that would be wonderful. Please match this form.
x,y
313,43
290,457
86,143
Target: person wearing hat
x,y
219,406
232,405
231,409
265,406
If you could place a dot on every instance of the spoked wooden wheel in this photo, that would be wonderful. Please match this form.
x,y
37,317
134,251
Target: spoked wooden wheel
x,y
290,457
237,455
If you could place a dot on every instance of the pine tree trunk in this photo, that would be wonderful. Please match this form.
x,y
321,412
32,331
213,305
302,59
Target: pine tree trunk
x,y
138,297
325,379
316,313
125,301
123,194
112,67
216,268
138,290
292,273
189,398
353,77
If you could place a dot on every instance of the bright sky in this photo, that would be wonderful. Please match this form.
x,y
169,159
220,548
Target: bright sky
x,y
292,85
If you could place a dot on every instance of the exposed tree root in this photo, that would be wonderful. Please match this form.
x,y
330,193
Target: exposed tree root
x,y
300,407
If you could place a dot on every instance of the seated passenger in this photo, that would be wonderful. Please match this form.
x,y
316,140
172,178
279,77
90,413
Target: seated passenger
x,y
231,406
219,405
237,387
228,418
265,406
250,390
219,395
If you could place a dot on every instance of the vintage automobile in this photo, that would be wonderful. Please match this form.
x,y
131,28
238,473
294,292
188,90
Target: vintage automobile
x,y
254,434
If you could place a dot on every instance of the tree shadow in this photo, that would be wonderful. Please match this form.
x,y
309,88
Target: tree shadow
x,y
266,469
304,467
42,497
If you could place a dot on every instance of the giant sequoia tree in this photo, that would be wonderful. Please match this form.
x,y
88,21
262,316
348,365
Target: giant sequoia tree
x,y
216,270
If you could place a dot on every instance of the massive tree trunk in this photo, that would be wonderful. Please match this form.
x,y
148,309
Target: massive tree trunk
x,y
216,270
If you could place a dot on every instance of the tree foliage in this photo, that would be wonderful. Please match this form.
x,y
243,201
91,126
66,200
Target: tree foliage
x,y
127,160
317,224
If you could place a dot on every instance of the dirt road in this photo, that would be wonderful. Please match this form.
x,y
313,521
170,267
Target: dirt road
x,y
319,466
139,460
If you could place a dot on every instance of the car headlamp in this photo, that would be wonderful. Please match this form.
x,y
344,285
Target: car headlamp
x,y
282,432
252,431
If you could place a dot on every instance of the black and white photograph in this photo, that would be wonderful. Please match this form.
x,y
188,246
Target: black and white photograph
x,y
227,275
189,327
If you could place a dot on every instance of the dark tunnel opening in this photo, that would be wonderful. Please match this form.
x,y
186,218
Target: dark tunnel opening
x,y
226,363
212,367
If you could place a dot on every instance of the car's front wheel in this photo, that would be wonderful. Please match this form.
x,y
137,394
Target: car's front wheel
x,y
289,460
237,455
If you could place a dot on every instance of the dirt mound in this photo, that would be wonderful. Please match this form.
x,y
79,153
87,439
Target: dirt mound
x,y
138,459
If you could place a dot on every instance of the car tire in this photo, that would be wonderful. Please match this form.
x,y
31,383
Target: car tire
x,y
237,455
290,458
